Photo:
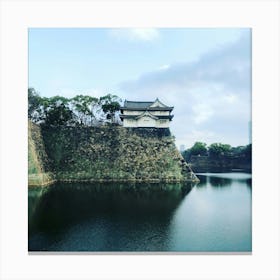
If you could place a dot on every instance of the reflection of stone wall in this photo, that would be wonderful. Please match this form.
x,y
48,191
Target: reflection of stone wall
x,y
130,206
114,154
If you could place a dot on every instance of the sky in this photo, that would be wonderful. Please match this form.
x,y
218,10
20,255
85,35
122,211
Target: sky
x,y
204,73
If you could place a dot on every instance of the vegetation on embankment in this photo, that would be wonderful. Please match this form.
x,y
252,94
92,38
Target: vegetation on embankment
x,y
39,172
108,153
114,154
219,157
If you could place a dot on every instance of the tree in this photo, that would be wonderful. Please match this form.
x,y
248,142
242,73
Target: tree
x,y
110,105
199,148
217,150
237,151
84,107
248,153
34,105
57,111
82,110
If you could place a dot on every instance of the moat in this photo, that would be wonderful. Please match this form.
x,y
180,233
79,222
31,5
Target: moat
x,y
212,216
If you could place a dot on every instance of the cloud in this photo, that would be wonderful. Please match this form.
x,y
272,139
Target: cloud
x,y
135,34
164,67
224,67
202,112
211,95
193,136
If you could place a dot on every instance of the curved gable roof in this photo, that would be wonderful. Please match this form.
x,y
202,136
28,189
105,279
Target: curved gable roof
x,y
137,104
158,104
146,114
145,105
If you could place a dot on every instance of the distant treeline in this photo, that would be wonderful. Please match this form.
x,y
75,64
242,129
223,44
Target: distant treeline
x,y
219,151
81,110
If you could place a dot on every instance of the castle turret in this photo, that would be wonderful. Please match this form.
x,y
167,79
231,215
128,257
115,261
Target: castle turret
x,y
146,114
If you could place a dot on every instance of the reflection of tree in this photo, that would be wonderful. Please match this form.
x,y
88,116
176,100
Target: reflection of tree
x,y
220,182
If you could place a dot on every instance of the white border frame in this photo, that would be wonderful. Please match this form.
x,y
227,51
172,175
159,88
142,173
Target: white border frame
x,y
262,16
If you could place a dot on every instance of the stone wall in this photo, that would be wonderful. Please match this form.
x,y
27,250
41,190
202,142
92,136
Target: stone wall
x,y
225,164
39,172
114,154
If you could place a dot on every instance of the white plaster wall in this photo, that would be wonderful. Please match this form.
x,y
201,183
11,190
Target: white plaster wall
x,y
135,113
132,113
160,113
146,122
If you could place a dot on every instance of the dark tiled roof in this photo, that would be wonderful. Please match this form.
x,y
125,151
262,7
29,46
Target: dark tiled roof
x,y
170,117
144,105
137,105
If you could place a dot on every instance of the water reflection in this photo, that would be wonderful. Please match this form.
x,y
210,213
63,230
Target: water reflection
x,y
215,182
249,183
63,206
214,215
220,180
34,196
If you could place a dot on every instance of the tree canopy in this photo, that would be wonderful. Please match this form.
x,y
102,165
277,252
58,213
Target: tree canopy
x,y
82,110
110,105
198,149
217,151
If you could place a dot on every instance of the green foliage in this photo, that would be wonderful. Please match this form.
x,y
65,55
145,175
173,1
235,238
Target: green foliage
x,y
34,105
243,152
110,105
57,111
199,148
38,166
248,150
85,108
111,153
217,150
81,110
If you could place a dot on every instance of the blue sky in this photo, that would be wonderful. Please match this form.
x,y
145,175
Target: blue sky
x,y
204,73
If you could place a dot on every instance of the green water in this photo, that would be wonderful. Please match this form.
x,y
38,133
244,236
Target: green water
x,y
213,216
